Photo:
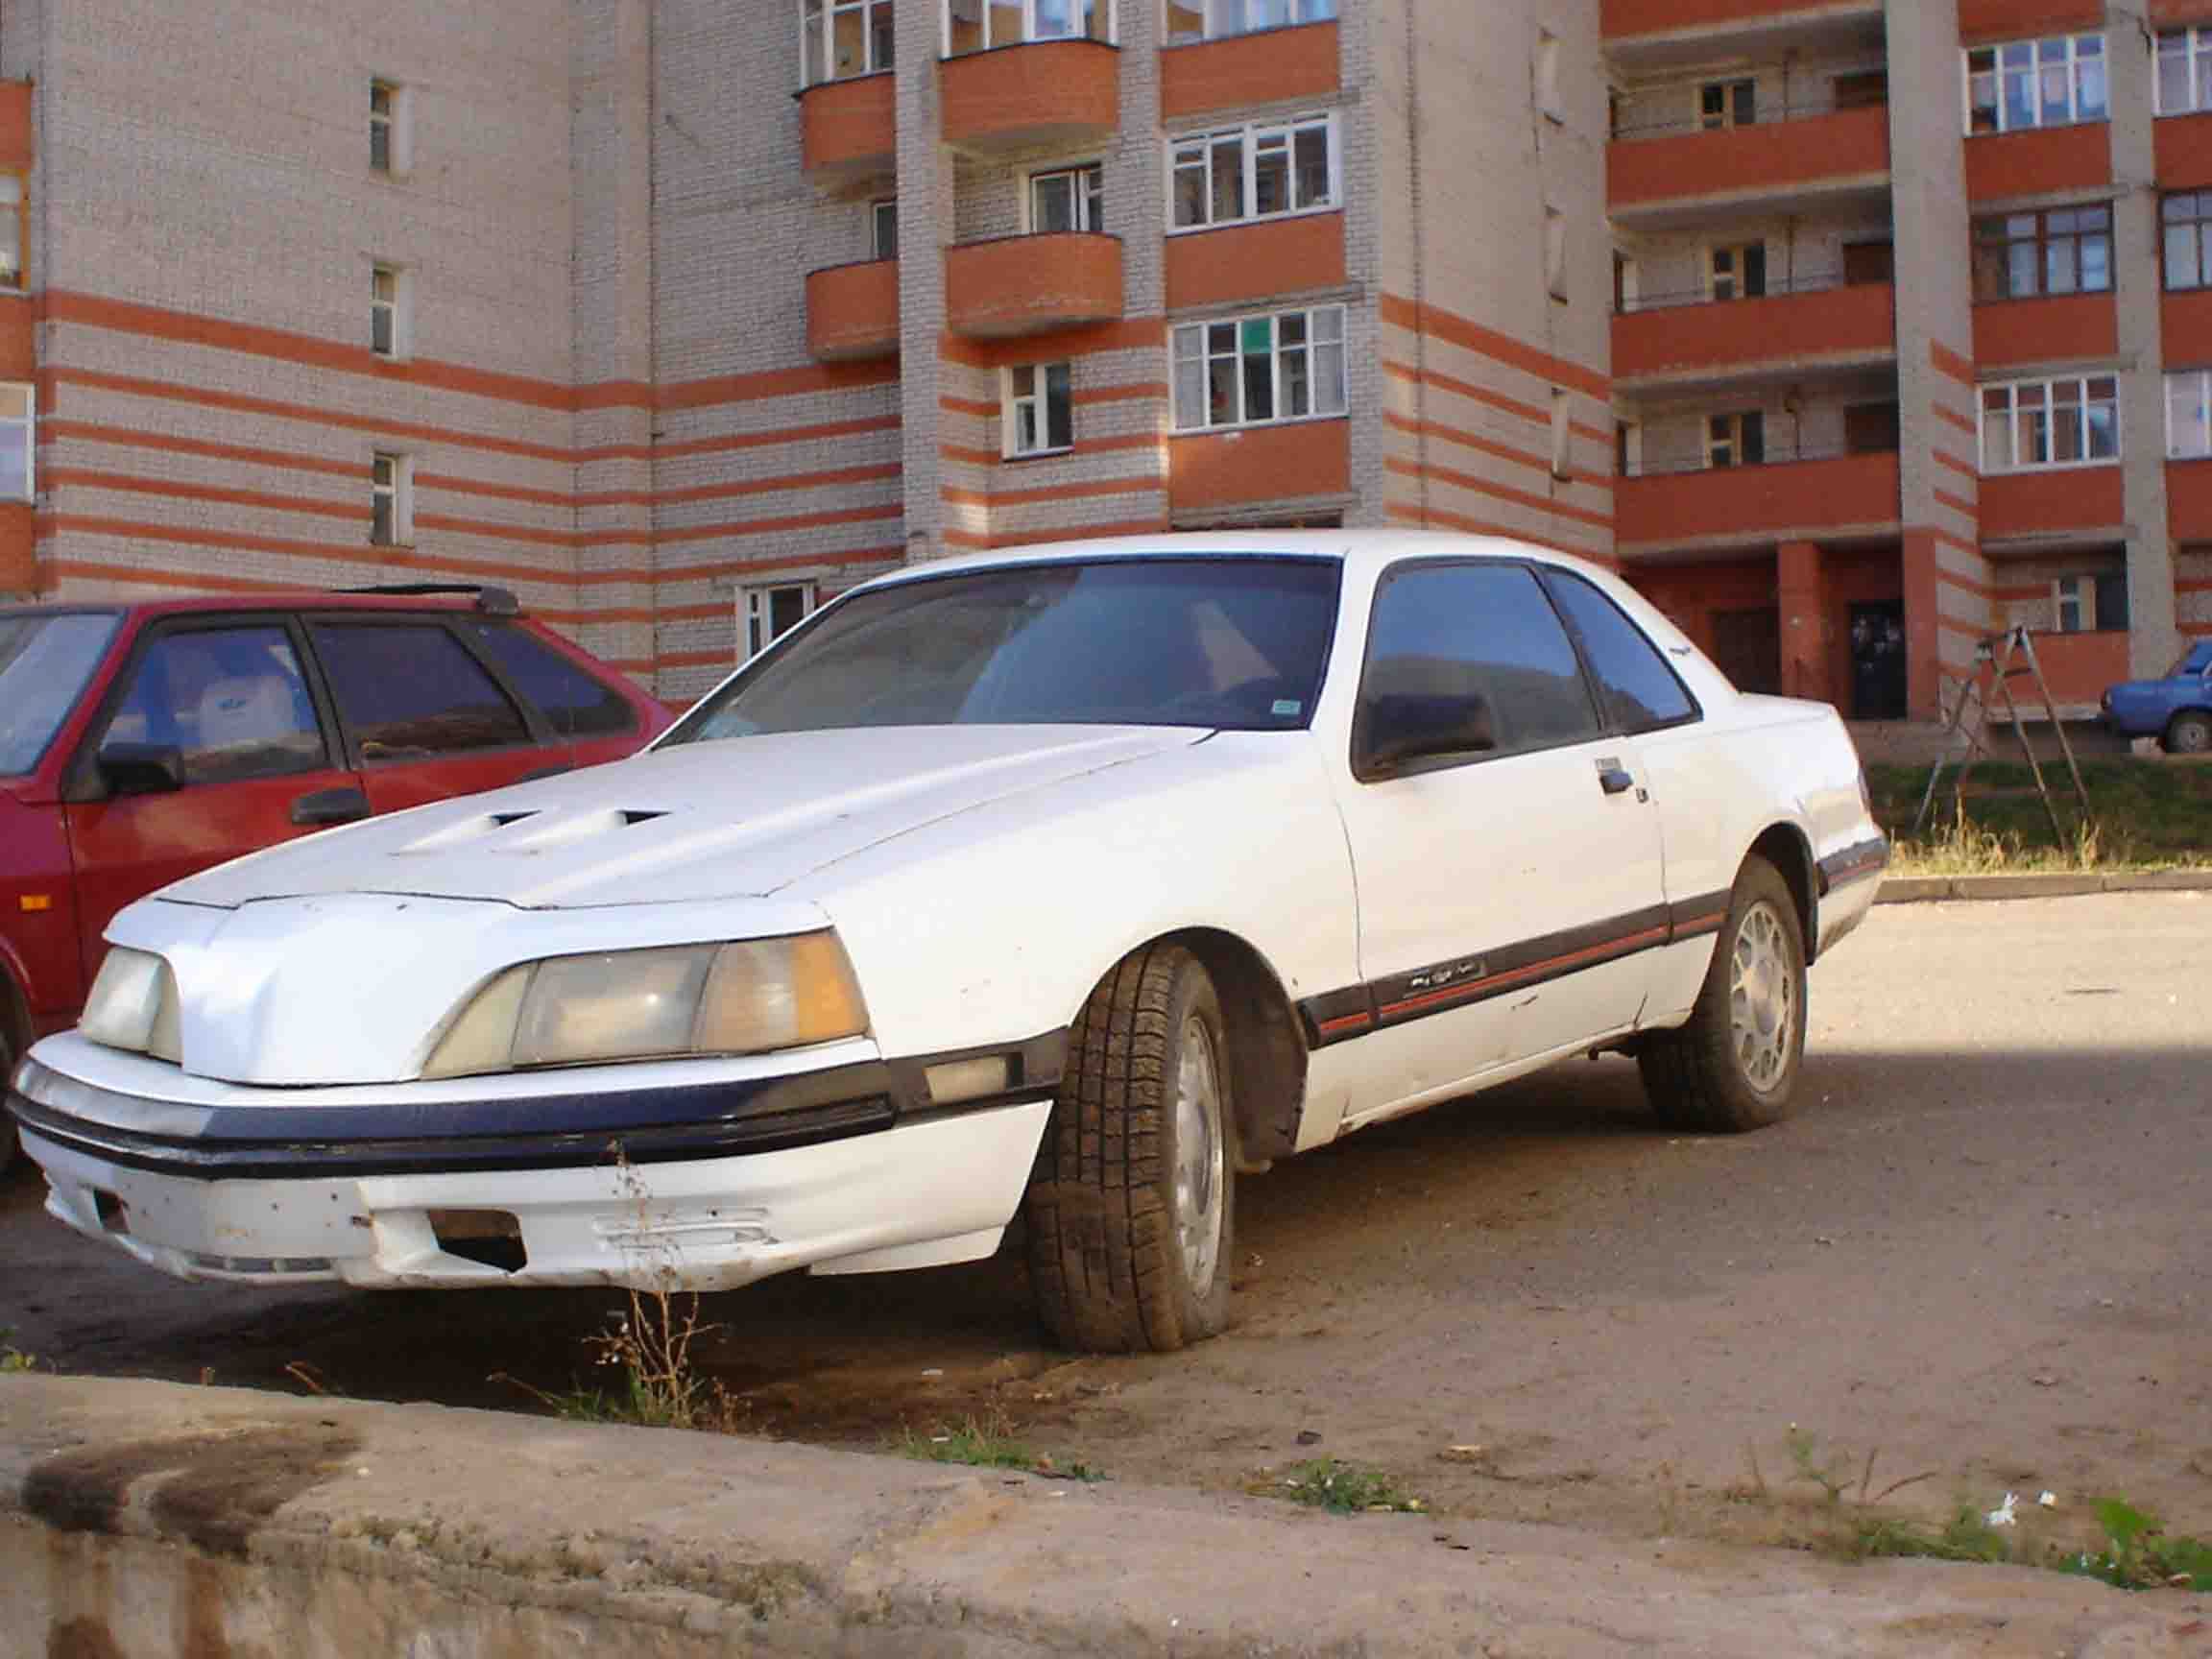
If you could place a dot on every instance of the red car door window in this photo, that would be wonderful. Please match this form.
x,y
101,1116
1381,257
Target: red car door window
x,y
231,700
574,703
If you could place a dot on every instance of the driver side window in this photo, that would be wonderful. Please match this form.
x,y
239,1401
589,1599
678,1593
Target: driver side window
x,y
231,700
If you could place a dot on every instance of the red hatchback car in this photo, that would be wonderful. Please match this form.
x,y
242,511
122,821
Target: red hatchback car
x,y
139,743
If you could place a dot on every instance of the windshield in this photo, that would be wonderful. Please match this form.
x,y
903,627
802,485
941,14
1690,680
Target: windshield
x,y
44,663
1235,643
2197,660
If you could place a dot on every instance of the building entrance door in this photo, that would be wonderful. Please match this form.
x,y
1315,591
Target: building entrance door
x,y
1877,661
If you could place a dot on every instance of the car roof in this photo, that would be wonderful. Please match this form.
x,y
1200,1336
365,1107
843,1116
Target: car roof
x,y
261,599
1364,553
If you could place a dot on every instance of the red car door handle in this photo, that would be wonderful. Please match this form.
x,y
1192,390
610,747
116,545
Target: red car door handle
x,y
319,808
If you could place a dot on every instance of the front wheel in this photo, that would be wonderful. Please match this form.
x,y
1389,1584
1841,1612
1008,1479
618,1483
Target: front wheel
x,y
1734,1066
1131,1209
2189,733
7,1124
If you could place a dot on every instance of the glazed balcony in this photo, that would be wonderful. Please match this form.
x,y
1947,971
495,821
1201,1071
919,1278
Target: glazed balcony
x,y
1661,176
1653,34
1788,496
1237,70
1793,329
848,130
1057,93
1015,285
853,311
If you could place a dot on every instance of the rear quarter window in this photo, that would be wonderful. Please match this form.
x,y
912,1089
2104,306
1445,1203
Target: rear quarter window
x,y
575,704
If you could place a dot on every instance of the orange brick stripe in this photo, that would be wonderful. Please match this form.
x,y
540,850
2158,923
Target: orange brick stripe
x,y
1131,334
1457,480
86,478
1966,468
1134,392
53,431
1456,330
1488,447
970,457
1436,518
1054,492
1956,503
823,480
1951,363
342,552
975,406
785,521
1957,542
1457,388
1964,422
816,434
1078,532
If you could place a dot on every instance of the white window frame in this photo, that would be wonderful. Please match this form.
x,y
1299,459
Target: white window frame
x,y
398,308
755,615
1562,433
29,422
828,10
1219,19
2083,599
397,120
1251,138
1090,196
2195,385
2080,384
1197,335
876,211
1548,103
391,478
2072,59
16,210
1012,399
1737,276
2195,45
1030,35
1733,440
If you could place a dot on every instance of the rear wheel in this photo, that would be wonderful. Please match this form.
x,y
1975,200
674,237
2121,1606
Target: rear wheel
x,y
1131,1210
1734,1066
2189,733
7,1124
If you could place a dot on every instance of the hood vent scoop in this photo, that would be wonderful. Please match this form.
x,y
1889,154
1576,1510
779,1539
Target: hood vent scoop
x,y
532,832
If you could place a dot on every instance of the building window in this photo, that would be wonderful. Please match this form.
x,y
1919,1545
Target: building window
x,y
2025,83
1727,103
2029,425
1256,172
387,128
839,39
2189,415
1549,104
1249,371
1068,199
2065,250
1736,439
1562,433
2188,234
391,503
14,214
1737,272
1556,253
1039,409
978,25
883,228
387,311
2184,71
18,443
2090,603
765,614
1191,20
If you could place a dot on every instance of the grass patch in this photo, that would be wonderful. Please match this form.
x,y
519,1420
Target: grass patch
x,y
2139,1555
1343,1489
1967,1536
12,1358
988,1443
2148,816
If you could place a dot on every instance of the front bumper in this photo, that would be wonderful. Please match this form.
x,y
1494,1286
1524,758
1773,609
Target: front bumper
x,y
842,1169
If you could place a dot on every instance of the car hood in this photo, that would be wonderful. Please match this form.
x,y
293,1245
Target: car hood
x,y
699,822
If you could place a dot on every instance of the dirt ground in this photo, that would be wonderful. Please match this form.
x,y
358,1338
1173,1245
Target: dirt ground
x,y
1979,1252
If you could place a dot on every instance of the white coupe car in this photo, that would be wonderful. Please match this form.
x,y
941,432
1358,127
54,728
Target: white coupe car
x,y
1070,883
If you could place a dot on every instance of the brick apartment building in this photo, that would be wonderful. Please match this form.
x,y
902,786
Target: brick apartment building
x,y
1846,327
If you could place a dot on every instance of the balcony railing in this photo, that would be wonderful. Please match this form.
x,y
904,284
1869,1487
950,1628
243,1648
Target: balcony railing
x,y
1773,455
1768,163
1802,324
1046,92
1676,504
1028,285
849,128
853,311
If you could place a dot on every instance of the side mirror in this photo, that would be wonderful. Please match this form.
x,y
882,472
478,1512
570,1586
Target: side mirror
x,y
141,768
1400,730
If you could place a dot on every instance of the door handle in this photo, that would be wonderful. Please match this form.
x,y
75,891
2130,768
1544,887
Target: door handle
x,y
1616,781
319,808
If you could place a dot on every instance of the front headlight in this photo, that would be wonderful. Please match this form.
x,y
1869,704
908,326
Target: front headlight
x,y
133,1005
742,998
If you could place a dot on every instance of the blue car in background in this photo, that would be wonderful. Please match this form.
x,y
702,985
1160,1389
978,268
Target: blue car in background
x,y
2176,710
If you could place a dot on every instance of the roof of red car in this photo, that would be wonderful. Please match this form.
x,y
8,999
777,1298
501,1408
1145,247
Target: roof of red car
x,y
289,599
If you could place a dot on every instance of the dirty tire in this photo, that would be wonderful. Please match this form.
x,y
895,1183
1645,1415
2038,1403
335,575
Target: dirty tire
x,y
7,1124
2188,733
1729,1068
1115,1264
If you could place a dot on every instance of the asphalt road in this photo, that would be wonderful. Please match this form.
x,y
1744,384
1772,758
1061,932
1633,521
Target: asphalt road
x,y
1979,1252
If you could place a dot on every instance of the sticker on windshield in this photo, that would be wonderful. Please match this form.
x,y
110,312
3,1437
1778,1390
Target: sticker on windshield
x,y
1288,707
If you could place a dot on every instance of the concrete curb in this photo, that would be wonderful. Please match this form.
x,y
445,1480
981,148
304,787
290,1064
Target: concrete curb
x,y
2058,884
146,1518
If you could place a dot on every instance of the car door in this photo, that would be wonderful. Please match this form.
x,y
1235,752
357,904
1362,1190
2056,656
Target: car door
x,y
1507,890
255,748
423,718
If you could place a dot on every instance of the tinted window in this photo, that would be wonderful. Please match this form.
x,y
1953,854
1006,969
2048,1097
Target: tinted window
x,y
1234,643
409,692
231,698
1641,691
574,703
44,663
1481,631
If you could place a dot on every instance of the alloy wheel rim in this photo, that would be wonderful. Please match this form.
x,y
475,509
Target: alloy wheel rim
x,y
1762,998
1200,1160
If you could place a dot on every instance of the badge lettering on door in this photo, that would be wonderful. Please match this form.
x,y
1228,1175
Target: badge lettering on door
x,y
1452,974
